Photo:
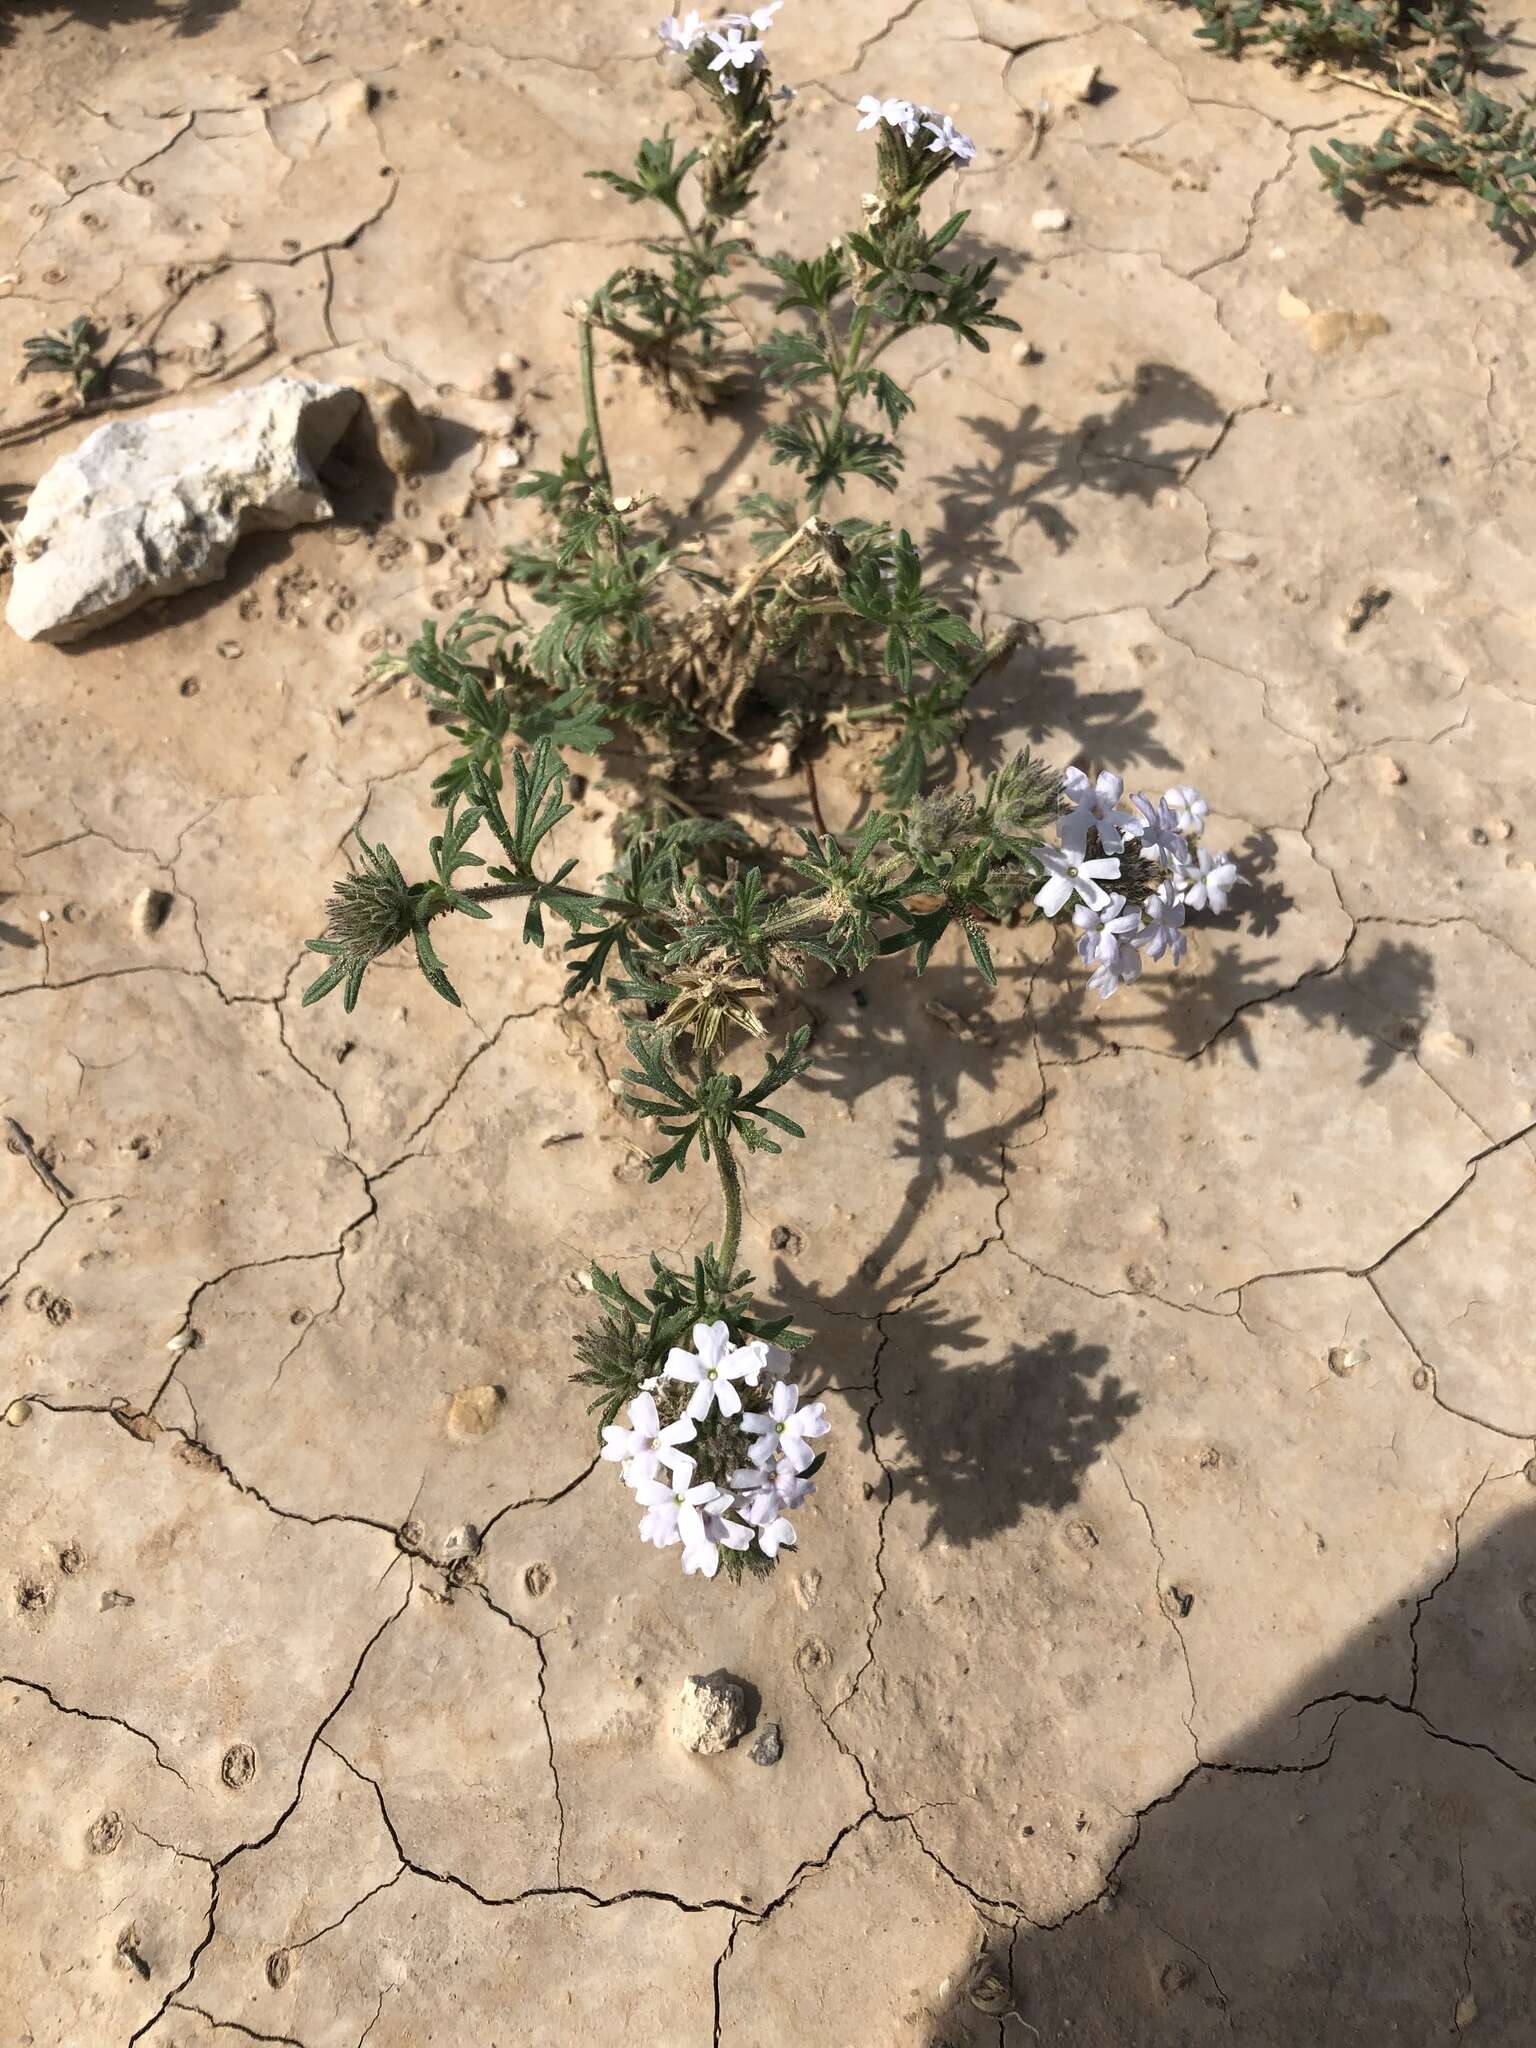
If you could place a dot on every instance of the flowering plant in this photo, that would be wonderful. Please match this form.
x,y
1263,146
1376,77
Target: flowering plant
x,y
1425,61
697,931
753,1462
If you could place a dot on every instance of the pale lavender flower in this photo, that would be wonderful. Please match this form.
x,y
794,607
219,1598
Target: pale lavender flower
x,y
674,1508
1096,807
947,136
763,1497
761,18
787,1429
1163,917
680,33
1107,946
1072,874
645,1446
900,114
1209,882
701,1551
710,1368
791,1489
763,1490
1189,807
1158,830
735,51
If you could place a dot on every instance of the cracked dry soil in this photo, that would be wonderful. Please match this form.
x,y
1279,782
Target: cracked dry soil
x,y
1157,1666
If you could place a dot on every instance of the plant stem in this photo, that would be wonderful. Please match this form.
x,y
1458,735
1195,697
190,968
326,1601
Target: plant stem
x,y
857,329
856,333
768,564
730,1188
497,892
814,794
690,232
995,650
589,399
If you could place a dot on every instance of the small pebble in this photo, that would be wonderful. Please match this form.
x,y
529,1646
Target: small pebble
x,y
18,1413
769,1746
1050,220
182,1341
1081,85
1025,352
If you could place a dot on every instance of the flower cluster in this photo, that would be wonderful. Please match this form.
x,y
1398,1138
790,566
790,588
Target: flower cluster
x,y
736,40
1149,847
916,123
718,1475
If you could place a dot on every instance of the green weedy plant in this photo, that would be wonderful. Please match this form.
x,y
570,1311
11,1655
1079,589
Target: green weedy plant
x,y
73,354
1426,59
696,931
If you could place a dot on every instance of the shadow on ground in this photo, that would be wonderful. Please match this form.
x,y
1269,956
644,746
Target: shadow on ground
x,y
979,1443
1381,1887
182,17
1034,466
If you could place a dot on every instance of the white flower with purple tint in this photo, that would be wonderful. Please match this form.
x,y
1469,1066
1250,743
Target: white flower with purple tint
x,y
1072,874
1096,807
1163,921
701,1551
1190,809
680,33
645,1446
737,52
1107,945
711,1368
787,1429
900,114
1210,880
674,1507
1158,830
761,18
947,136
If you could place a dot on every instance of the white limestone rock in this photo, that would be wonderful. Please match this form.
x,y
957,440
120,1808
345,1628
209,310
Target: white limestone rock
x,y
711,1713
147,507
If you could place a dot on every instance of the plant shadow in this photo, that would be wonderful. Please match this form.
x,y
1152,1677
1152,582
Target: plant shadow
x,y
1033,466
1034,696
182,17
976,1442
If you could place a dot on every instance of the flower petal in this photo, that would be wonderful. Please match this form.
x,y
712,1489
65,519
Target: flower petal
x,y
711,1341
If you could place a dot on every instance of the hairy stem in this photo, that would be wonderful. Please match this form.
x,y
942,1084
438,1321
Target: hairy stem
x,y
730,1189
589,398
